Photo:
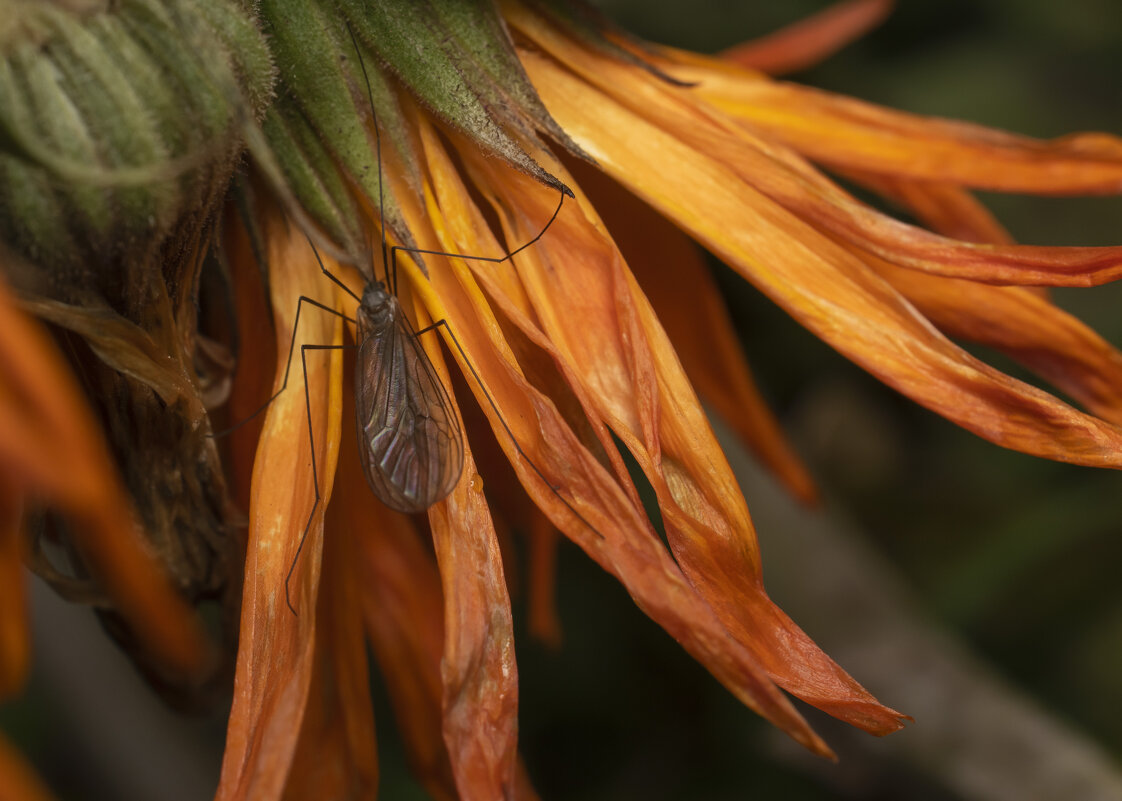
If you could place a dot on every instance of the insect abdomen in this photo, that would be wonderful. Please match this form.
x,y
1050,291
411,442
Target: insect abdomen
x,y
410,439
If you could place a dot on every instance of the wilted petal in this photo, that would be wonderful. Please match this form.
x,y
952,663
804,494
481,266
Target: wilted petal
x,y
1027,327
45,422
688,304
828,290
808,41
337,756
849,133
478,671
18,778
543,620
945,208
562,476
276,647
785,177
706,519
257,359
402,607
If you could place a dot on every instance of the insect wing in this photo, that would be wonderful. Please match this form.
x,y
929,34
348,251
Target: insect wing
x,y
410,440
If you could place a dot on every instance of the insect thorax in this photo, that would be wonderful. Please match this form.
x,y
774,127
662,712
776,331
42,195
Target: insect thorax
x,y
376,310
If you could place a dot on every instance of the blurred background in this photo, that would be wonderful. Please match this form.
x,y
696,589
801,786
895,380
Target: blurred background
x,y
969,586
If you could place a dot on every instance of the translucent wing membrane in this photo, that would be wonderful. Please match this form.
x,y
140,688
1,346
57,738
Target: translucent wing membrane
x,y
409,436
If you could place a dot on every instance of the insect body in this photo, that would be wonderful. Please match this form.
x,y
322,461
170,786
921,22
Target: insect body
x,y
411,444
410,439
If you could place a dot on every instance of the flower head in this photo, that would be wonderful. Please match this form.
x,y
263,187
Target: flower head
x,y
427,132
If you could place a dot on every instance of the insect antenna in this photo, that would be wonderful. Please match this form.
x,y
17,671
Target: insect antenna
x,y
392,285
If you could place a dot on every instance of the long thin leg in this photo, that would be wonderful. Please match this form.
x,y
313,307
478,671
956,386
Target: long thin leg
x,y
503,423
491,259
315,472
329,274
288,363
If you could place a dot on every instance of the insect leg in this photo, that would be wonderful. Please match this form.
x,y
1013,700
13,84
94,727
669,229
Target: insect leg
x,y
492,259
315,472
288,364
506,428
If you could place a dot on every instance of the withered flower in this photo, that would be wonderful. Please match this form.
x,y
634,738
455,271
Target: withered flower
x,y
431,121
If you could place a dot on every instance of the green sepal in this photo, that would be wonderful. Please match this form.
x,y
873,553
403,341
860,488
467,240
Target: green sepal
x,y
335,90
457,58
313,178
486,54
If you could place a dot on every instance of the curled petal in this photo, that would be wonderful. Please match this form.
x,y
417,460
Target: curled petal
x,y
478,671
852,134
697,322
827,289
944,208
1027,327
401,607
276,646
811,40
256,367
544,622
706,519
784,176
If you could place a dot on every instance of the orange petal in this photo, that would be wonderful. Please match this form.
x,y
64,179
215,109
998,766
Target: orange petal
x,y
401,605
706,519
944,208
825,288
277,648
337,756
256,366
15,633
788,179
478,670
17,778
852,134
688,304
1027,327
543,620
45,425
559,473
814,39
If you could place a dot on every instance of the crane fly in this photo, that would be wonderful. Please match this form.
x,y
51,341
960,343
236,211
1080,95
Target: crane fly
x,y
410,439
